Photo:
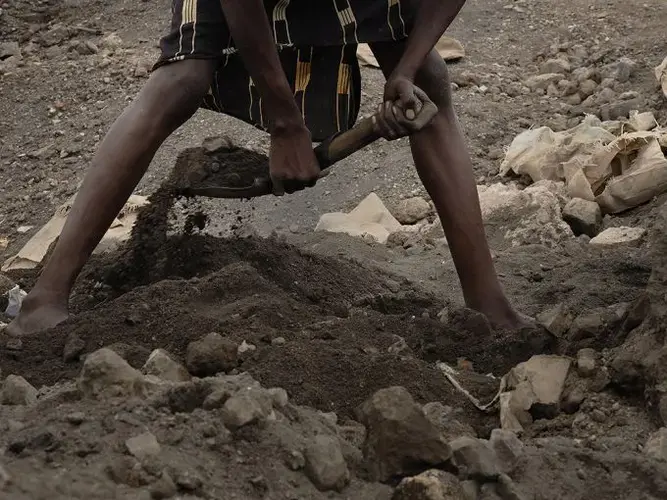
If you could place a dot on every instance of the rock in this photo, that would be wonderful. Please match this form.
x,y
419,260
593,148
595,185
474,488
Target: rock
x,y
641,122
621,109
430,485
605,96
556,320
163,488
620,71
9,49
449,427
656,446
542,380
508,449
211,355
279,397
5,478
556,65
325,464
399,437
73,349
17,391
111,42
106,374
583,216
135,355
583,74
587,88
412,210
160,364
619,236
543,81
249,406
572,400
371,217
143,446
516,217
55,36
586,362
474,458
295,460
187,479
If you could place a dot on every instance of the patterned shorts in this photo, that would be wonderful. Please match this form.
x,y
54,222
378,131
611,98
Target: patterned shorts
x,y
317,43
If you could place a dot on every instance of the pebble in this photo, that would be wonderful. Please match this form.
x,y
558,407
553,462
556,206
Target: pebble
x,y
295,460
278,341
188,480
163,488
586,362
430,485
583,216
75,418
598,416
412,210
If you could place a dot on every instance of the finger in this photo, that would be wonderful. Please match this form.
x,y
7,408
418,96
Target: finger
x,y
409,101
391,117
382,126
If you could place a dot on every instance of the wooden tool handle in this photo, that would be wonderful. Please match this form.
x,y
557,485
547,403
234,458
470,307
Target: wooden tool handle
x,y
343,144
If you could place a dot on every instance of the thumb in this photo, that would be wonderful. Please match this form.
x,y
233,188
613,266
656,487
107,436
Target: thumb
x,y
410,104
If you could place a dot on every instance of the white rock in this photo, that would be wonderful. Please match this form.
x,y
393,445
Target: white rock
x,y
619,235
371,217
546,375
247,407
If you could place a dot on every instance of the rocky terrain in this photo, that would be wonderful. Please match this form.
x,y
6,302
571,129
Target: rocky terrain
x,y
316,346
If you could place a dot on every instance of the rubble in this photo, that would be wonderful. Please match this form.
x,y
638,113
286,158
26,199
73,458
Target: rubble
x,y
556,320
247,407
586,362
474,459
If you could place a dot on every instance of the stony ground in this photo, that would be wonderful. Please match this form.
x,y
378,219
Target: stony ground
x,y
322,378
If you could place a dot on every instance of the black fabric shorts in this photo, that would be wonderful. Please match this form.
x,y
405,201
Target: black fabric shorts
x,y
317,43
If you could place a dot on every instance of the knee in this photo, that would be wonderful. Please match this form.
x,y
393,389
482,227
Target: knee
x,y
433,78
176,90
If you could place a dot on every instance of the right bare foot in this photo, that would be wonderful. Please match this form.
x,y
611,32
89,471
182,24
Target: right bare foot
x,y
36,315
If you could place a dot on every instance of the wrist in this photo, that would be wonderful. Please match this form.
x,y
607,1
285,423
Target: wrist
x,y
403,71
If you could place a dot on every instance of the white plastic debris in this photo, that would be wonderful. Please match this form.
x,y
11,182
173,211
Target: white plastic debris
x,y
15,298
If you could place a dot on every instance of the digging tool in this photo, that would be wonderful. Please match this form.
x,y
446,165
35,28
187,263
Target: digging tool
x,y
328,153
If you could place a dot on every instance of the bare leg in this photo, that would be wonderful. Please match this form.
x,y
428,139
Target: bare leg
x,y
171,96
445,168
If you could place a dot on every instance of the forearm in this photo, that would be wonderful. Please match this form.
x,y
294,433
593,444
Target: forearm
x,y
250,29
432,19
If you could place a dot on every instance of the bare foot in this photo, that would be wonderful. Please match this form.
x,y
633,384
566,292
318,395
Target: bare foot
x,y
36,316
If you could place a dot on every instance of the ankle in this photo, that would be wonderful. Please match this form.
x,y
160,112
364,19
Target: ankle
x,y
41,297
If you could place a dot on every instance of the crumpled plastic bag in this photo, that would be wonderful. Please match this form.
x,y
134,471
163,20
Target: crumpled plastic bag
x,y
618,172
33,253
661,75
15,298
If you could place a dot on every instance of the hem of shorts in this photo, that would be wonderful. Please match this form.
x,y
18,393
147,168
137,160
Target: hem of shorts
x,y
164,61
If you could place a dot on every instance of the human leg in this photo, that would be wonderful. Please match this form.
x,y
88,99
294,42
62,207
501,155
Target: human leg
x,y
171,96
445,168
